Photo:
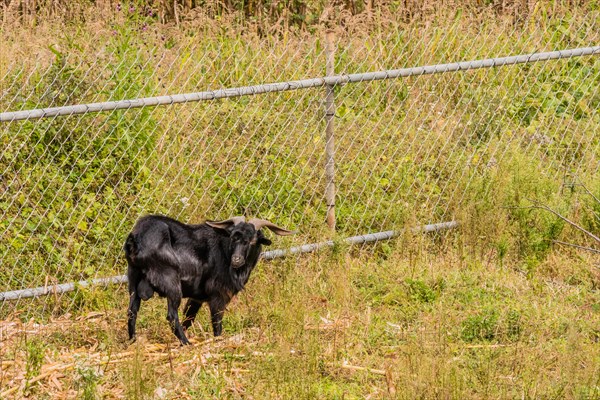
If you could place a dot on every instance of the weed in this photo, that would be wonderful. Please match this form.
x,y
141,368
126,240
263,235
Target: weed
x,y
480,327
139,377
35,350
514,325
424,293
88,383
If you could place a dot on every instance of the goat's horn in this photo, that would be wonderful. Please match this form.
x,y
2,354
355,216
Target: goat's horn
x,y
227,223
263,223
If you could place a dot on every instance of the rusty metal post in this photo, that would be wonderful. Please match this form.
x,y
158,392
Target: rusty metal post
x,y
329,131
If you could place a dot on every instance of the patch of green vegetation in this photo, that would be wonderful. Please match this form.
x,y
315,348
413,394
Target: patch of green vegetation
x,y
88,384
139,378
423,292
480,327
35,356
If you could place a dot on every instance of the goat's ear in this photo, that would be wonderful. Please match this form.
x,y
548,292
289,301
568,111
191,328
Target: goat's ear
x,y
227,223
221,226
263,240
263,223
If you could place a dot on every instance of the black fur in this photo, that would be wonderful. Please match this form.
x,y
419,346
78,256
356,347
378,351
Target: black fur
x,y
177,260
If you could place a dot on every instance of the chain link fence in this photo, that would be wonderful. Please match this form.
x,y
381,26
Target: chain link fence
x,y
417,146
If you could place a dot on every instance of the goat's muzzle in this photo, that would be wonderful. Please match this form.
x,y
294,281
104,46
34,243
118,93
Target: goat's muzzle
x,y
237,261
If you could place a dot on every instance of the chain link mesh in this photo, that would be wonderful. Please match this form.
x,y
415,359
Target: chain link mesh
x,y
409,151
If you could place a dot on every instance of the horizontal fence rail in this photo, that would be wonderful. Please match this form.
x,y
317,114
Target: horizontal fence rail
x,y
267,255
295,85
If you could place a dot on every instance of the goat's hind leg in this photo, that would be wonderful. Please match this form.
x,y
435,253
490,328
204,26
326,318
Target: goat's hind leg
x,y
134,306
134,301
173,303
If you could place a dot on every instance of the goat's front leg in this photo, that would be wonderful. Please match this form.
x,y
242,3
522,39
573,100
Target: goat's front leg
x,y
217,308
190,310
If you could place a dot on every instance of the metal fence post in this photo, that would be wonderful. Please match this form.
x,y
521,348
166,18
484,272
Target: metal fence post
x,y
329,130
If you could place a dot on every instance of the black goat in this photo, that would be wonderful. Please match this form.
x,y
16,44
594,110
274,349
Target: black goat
x,y
210,262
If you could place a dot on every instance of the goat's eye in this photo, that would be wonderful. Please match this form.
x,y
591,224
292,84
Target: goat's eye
x,y
236,237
